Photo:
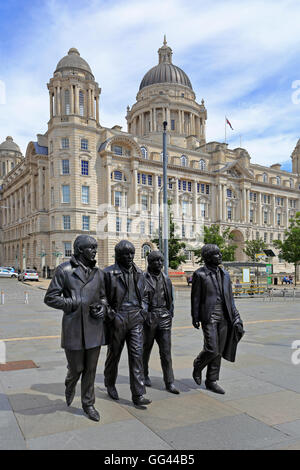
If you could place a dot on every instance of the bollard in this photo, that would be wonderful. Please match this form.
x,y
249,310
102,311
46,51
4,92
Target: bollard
x,y
26,297
2,297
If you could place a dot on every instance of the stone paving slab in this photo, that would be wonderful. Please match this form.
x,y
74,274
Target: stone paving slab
x,y
292,428
272,409
183,410
56,417
229,432
123,435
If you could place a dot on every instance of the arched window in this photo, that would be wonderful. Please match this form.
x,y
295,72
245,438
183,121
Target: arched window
x,y
202,164
67,102
144,152
145,250
183,160
117,175
265,177
278,180
81,103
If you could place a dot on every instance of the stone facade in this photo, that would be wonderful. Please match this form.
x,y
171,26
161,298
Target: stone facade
x,y
81,177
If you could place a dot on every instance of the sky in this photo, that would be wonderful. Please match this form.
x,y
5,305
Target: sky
x,y
242,57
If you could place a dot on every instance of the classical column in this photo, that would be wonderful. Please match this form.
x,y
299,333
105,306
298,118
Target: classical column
x,y
195,206
273,222
87,94
32,191
142,118
97,109
224,203
259,210
155,196
51,104
247,206
151,119
40,189
168,118
76,99
154,120
219,199
58,97
286,212
244,213
71,100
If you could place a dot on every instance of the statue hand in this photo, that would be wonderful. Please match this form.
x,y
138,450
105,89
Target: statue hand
x,y
196,324
97,311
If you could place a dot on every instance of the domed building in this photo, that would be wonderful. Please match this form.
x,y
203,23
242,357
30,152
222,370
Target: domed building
x,y
10,156
82,177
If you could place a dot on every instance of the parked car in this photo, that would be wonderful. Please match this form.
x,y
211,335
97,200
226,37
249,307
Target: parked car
x,y
28,275
4,272
9,268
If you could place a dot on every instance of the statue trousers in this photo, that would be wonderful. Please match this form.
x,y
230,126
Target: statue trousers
x,y
126,327
159,329
215,335
83,362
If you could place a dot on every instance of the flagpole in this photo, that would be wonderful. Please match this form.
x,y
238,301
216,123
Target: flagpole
x,y
225,129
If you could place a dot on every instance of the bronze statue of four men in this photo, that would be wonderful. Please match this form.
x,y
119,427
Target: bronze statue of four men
x,y
121,304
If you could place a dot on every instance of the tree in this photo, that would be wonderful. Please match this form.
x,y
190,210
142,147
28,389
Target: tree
x,y
223,240
253,247
290,247
176,247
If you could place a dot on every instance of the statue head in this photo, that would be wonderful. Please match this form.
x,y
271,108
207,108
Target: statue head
x,y
211,255
124,253
155,262
85,248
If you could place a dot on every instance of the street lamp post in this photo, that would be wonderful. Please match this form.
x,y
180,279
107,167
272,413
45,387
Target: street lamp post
x,y
165,201
171,181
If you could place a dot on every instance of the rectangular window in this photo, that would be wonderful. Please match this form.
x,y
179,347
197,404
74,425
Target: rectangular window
x,y
183,231
265,237
265,217
84,167
68,249
118,175
179,184
66,222
144,202
150,227
129,225
202,209
183,185
52,196
118,198
117,150
64,143
150,180
65,167
251,215
85,194
84,144
207,189
144,179
66,193
172,124
229,193
159,181
118,224
189,186
142,228
229,213
85,222
278,219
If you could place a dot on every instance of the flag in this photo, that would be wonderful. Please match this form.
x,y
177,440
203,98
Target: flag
x,y
229,123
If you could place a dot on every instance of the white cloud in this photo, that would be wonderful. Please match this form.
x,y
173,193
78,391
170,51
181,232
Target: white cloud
x,y
230,49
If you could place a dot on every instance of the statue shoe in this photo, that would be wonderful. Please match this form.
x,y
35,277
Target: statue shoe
x,y
148,381
172,389
214,387
70,394
112,392
197,376
140,400
91,412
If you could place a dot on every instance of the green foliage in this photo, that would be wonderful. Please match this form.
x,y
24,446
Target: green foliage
x,y
253,247
176,247
290,247
223,240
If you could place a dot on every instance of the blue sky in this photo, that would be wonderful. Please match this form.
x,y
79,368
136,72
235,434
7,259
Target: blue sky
x,y
241,57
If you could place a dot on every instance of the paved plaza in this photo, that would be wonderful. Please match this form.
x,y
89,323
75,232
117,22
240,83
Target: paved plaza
x,y
260,410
